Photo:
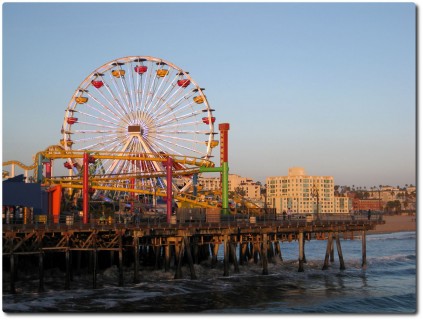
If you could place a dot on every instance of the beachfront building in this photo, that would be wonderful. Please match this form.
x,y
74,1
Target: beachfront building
x,y
209,183
203,183
367,204
382,196
251,189
302,193
235,183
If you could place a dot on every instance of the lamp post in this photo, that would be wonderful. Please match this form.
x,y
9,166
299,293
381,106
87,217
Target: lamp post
x,y
315,194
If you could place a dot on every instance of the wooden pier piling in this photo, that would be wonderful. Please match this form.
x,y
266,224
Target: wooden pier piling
x,y
363,249
264,255
256,251
278,250
93,255
68,268
332,250
225,255
136,259
304,241
328,251
12,273
301,251
180,252
167,257
40,272
233,253
189,258
339,249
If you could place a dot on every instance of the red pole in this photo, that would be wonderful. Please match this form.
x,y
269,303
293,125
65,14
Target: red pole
x,y
48,169
85,195
223,128
169,163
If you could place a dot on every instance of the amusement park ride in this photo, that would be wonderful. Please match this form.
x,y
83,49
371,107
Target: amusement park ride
x,y
132,126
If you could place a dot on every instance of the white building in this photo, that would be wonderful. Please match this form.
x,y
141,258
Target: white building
x,y
209,183
302,193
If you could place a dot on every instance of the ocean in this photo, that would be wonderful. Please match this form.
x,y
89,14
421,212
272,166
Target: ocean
x,y
387,286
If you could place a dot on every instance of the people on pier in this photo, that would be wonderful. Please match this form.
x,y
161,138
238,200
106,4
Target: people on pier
x,y
289,213
369,214
284,215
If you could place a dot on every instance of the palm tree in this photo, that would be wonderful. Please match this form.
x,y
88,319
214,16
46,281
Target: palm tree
x,y
336,190
240,191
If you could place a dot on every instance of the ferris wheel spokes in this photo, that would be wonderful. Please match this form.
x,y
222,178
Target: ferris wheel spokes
x,y
169,106
163,100
117,113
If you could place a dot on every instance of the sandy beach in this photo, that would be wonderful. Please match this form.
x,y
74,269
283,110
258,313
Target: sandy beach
x,y
396,224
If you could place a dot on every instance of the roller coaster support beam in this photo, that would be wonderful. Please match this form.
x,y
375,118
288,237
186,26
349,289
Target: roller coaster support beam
x,y
85,187
40,168
194,184
169,164
224,169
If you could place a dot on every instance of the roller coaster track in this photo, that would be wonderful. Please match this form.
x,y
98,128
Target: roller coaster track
x,y
57,152
19,164
77,154
34,166
158,192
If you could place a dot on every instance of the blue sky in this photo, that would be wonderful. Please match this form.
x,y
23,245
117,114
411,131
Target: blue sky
x,y
328,87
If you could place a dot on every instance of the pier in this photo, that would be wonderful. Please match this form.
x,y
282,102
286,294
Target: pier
x,y
142,165
167,246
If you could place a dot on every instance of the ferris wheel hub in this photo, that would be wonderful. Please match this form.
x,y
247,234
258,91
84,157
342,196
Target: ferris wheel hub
x,y
135,130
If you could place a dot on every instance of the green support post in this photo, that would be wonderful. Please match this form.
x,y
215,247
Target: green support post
x,y
224,169
225,188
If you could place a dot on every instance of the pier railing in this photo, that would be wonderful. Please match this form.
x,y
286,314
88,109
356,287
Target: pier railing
x,y
159,220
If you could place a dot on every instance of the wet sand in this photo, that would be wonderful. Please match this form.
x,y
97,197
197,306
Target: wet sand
x,y
396,224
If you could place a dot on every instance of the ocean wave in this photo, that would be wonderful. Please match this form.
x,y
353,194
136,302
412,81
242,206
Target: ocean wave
x,y
392,259
406,235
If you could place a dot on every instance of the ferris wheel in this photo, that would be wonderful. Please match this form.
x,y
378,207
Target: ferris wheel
x,y
138,105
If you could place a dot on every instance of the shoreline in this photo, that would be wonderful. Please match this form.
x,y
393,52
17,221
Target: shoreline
x,y
396,223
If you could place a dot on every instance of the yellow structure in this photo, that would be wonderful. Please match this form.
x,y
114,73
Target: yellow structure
x,y
302,193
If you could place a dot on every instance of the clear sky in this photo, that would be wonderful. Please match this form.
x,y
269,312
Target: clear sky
x,y
328,87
